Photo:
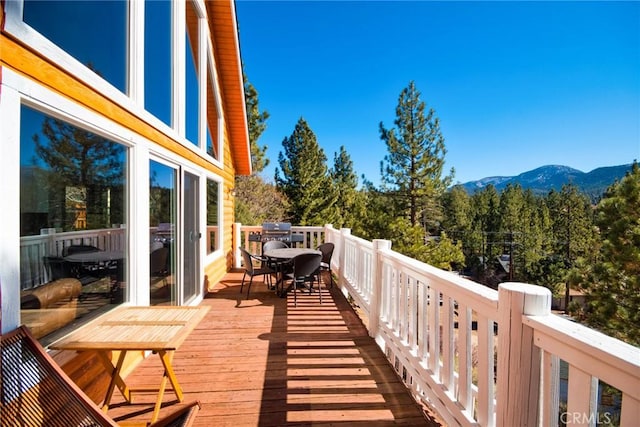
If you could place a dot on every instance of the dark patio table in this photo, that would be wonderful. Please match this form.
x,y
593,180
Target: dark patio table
x,y
283,257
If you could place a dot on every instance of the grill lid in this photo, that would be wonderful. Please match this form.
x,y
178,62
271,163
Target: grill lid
x,y
276,228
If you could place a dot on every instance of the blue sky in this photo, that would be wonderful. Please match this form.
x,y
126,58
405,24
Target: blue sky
x,y
516,85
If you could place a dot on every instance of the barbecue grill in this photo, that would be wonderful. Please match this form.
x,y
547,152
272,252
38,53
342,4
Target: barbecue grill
x,y
280,231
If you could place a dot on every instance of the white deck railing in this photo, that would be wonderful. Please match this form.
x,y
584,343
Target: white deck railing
x,y
476,355
33,249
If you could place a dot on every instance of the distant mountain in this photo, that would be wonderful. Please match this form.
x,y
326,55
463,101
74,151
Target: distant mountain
x,y
553,177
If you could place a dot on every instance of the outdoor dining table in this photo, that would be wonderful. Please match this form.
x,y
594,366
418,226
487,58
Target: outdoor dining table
x,y
160,330
282,257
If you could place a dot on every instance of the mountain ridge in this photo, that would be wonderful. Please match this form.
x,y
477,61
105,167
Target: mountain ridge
x,y
543,179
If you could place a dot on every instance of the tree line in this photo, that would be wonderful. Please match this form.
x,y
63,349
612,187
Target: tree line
x,y
560,240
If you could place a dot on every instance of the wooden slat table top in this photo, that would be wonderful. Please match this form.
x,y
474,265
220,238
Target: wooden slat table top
x,y
135,328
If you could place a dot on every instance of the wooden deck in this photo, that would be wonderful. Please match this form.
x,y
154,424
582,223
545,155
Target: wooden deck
x,y
263,362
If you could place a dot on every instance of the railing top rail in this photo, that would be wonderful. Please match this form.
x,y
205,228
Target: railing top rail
x,y
607,358
359,240
452,285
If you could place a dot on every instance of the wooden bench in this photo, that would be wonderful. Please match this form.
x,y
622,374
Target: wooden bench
x,y
35,391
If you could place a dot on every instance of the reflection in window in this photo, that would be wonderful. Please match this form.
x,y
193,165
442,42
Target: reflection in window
x,y
213,189
163,205
79,28
72,223
191,60
157,55
212,116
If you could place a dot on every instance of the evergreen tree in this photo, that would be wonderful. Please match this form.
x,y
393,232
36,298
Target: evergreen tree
x,y
303,177
456,220
485,226
349,205
375,220
257,123
572,236
84,170
515,218
413,168
614,287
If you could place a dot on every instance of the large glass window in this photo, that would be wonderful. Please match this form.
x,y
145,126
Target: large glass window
x,y
163,208
192,87
213,224
73,215
157,55
213,117
94,32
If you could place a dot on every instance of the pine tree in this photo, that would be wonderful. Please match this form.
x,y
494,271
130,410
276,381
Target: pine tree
x,y
485,224
349,205
85,169
413,168
614,288
303,177
257,123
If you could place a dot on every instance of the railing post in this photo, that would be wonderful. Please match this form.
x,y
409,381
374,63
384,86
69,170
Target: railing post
x,y
235,239
327,233
342,255
519,360
376,292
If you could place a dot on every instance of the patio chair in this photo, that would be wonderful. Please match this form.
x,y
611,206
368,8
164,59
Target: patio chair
x,y
305,269
273,244
158,264
278,266
327,253
251,270
35,391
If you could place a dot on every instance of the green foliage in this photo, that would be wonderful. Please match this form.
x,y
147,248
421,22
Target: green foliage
x,y
303,177
444,253
412,169
614,288
350,203
257,123
85,174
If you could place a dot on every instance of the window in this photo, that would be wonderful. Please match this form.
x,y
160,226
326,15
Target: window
x,y
157,55
163,208
192,86
213,224
73,216
78,27
213,115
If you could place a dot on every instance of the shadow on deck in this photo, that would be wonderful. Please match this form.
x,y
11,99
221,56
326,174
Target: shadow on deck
x,y
263,362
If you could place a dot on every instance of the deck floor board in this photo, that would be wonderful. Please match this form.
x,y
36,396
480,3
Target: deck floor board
x,y
263,362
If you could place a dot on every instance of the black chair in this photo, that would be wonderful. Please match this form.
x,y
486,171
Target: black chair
x,y
251,270
158,264
305,269
56,268
280,267
327,253
273,244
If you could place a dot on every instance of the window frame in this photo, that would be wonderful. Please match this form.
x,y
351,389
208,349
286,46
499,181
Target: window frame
x,y
133,101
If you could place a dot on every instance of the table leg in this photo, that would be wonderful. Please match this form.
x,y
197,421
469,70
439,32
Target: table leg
x,y
166,357
116,379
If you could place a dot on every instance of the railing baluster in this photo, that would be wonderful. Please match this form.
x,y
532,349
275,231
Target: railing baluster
x,y
550,393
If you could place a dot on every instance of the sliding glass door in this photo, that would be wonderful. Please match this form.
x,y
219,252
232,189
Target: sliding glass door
x,y
163,208
191,237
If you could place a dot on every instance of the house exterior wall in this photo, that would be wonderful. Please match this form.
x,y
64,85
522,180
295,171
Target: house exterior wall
x,y
37,74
